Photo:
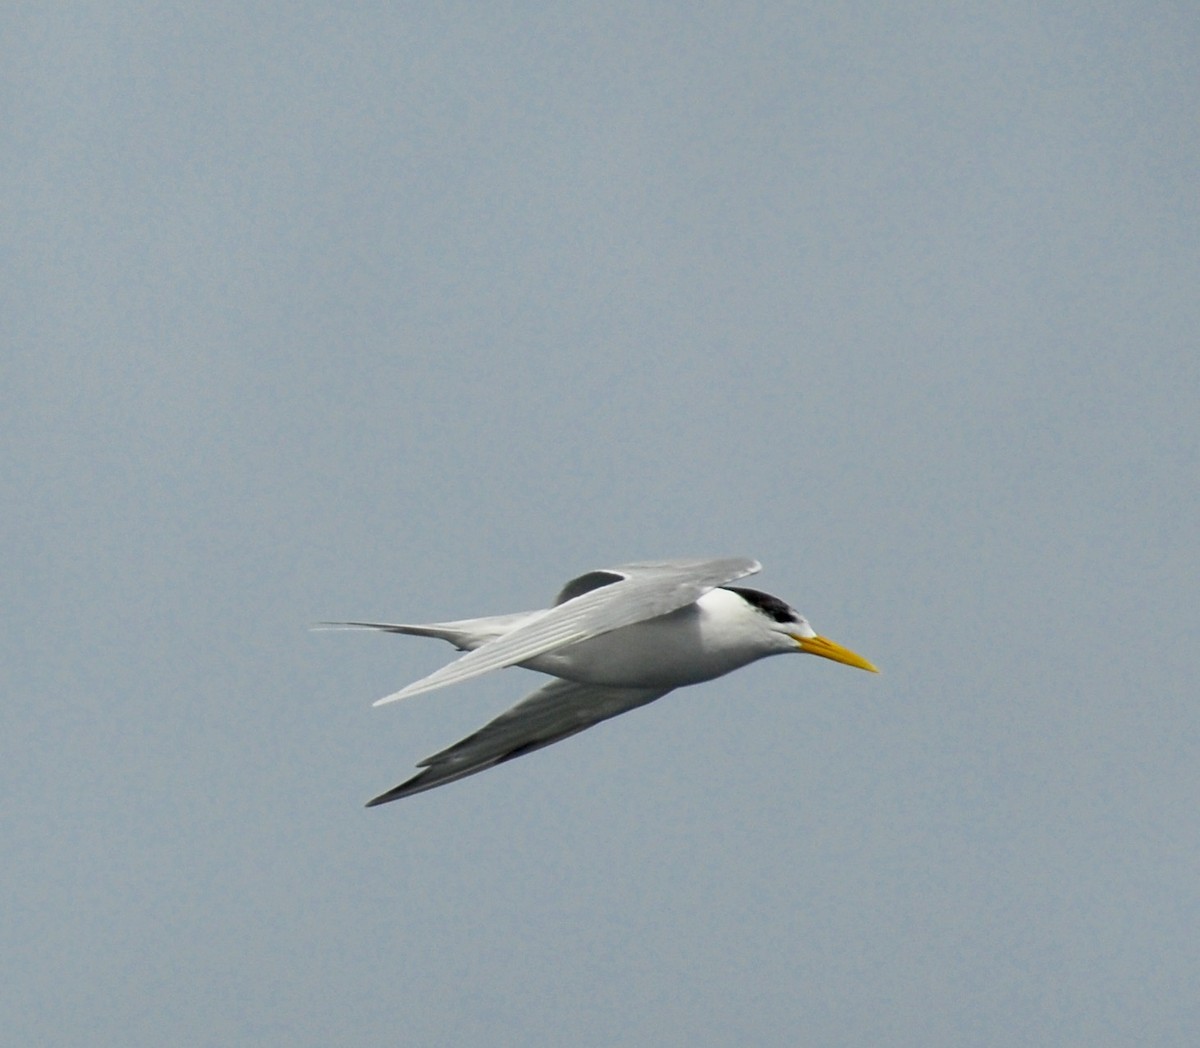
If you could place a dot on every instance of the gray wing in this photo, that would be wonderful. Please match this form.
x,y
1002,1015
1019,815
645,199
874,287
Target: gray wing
x,y
606,601
553,712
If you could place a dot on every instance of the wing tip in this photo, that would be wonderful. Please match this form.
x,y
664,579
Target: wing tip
x,y
383,798
397,792
426,779
416,688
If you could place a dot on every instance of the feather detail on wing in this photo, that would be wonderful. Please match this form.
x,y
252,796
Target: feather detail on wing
x,y
553,712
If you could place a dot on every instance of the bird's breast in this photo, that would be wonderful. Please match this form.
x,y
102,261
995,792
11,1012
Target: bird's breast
x,y
670,651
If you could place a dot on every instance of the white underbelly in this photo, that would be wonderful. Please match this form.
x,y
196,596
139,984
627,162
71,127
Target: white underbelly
x,y
670,651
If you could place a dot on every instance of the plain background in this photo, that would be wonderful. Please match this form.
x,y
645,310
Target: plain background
x,y
415,311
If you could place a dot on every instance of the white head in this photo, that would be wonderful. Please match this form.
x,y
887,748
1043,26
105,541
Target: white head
x,y
792,630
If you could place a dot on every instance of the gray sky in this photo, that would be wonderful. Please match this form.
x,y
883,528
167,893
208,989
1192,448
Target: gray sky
x,y
412,313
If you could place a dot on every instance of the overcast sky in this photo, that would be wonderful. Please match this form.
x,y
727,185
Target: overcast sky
x,y
415,311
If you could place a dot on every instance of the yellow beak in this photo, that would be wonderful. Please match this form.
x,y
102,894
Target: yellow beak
x,y
828,649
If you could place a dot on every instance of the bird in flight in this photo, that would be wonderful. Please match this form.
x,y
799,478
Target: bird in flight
x,y
614,640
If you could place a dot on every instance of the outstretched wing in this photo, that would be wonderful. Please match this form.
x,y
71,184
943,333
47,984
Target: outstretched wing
x,y
553,712
596,603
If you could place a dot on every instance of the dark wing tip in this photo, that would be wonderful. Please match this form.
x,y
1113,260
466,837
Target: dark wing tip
x,y
383,798
413,785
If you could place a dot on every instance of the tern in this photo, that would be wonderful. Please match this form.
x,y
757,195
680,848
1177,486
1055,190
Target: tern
x,y
615,639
